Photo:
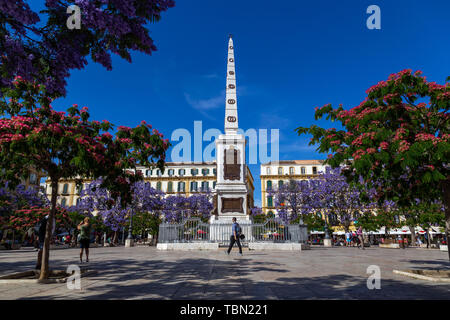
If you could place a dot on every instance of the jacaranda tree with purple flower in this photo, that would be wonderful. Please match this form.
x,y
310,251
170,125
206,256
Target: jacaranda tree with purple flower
x,y
40,46
19,198
334,197
329,195
95,199
292,199
176,208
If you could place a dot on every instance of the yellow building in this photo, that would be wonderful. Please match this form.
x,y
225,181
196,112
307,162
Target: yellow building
x,y
275,174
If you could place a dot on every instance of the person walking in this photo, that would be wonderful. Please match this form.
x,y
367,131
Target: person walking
x,y
348,238
42,227
353,239
235,236
418,241
360,237
85,238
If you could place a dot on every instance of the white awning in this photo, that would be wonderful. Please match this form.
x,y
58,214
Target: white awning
x,y
405,230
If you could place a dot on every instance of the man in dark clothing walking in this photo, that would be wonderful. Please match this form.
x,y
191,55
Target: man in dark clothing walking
x,y
41,238
235,236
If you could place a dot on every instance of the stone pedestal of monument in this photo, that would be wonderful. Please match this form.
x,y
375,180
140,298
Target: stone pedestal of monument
x,y
327,242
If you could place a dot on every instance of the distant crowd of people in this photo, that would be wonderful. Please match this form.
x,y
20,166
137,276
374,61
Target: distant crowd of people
x,y
355,238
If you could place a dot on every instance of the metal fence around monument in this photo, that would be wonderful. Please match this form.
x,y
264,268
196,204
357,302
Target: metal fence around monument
x,y
276,230
188,230
194,230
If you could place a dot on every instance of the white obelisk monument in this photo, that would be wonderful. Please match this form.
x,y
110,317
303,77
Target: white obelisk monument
x,y
231,188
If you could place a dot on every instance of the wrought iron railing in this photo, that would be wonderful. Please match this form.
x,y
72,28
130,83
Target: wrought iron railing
x,y
194,230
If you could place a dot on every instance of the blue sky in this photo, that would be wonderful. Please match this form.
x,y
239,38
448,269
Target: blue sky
x,y
291,56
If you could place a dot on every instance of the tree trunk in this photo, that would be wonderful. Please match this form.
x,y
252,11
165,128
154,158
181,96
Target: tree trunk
x,y
446,201
115,238
48,232
412,229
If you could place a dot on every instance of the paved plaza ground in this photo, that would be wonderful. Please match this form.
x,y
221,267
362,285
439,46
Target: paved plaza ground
x,y
320,273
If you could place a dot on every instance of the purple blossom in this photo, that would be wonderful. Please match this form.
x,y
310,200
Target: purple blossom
x,y
48,52
328,194
177,208
96,199
21,197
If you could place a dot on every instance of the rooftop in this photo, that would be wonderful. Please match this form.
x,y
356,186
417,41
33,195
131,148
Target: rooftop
x,y
285,162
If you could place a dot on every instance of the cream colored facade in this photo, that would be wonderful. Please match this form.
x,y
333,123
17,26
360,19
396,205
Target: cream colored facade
x,y
275,173
178,178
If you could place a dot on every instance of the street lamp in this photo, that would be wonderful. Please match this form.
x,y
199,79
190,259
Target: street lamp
x,y
326,240
130,236
327,236
130,242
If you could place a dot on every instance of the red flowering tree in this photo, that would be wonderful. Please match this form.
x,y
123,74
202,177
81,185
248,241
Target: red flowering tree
x,y
397,140
24,219
69,145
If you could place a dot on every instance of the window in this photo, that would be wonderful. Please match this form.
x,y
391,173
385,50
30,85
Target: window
x,y
303,170
181,186
158,186
194,186
194,172
280,170
171,172
205,186
63,202
214,184
291,170
268,170
65,189
314,170
147,173
270,201
215,171
269,185
181,172
170,186
33,178
158,173
78,201
205,172
280,183
333,219
79,189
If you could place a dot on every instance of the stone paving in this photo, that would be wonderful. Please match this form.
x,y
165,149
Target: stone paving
x,y
145,273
